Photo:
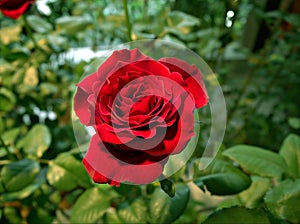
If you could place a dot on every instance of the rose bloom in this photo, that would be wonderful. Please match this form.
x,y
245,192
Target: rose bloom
x,y
14,8
142,111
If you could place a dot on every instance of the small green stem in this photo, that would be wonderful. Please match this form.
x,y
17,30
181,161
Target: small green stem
x,y
128,24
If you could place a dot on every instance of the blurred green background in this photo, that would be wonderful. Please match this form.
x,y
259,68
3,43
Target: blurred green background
x,y
251,45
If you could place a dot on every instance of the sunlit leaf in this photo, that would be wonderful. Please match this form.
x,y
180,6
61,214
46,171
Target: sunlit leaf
x,y
39,24
72,24
90,206
290,151
7,99
163,209
111,216
21,194
257,161
11,34
65,173
283,200
37,141
18,175
12,214
253,196
135,212
31,77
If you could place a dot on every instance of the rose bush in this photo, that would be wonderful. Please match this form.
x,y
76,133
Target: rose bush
x,y
14,8
142,111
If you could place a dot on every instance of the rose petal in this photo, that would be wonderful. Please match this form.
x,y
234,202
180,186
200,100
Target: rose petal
x,y
125,56
192,76
179,134
97,177
105,165
83,108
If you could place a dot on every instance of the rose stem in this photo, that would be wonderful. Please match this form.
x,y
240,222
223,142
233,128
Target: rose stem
x,y
128,24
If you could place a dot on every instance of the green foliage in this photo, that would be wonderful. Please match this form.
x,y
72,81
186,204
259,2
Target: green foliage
x,y
283,200
238,215
253,196
257,161
136,212
290,151
38,24
224,174
90,206
17,175
279,192
168,187
66,169
8,99
36,141
163,209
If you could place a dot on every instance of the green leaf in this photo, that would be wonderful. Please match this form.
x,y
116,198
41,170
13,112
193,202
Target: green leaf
x,y
253,196
65,173
168,187
257,161
128,191
90,206
12,215
222,178
10,136
38,24
39,215
18,175
48,89
7,99
283,200
36,141
31,77
58,42
163,209
237,215
21,194
12,34
112,216
72,24
18,52
294,122
290,151
293,19
181,23
136,212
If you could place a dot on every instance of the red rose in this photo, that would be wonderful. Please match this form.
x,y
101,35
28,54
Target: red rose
x,y
142,111
14,8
